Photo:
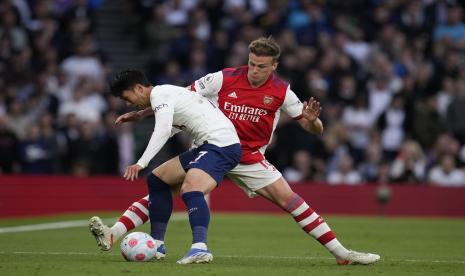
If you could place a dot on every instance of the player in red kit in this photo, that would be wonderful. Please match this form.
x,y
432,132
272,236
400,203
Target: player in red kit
x,y
252,97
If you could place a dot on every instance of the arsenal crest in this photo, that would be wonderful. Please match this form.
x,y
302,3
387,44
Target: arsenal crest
x,y
268,100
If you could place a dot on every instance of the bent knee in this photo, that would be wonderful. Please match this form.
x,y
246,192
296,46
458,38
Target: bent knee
x,y
188,186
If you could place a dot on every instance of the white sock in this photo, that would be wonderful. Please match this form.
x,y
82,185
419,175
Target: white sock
x,y
118,230
199,245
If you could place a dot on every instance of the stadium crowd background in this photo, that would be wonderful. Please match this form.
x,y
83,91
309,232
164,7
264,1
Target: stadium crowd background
x,y
390,76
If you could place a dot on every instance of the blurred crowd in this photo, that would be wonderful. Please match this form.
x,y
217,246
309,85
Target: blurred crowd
x,y
390,75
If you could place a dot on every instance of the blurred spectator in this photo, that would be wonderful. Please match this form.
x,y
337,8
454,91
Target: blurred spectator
x,y
304,168
67,135
392,123
176,13
410,163
455,118
171,75
413,19
96,150
453,31
12,30
126,145
445,96
83,63
356,46
358,121
157,34
379,95
36,152
370,168
446,174
427,124
345,174
17,119
82,105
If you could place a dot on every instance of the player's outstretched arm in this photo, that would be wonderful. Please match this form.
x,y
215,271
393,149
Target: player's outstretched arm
x,y
133,116
310,120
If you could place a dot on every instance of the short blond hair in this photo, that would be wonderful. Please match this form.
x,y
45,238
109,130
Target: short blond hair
x,y
265,47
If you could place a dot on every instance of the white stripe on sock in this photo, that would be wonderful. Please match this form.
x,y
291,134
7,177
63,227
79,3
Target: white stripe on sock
x,y
133,217
308,220
141,207
320,230
333,244
304,206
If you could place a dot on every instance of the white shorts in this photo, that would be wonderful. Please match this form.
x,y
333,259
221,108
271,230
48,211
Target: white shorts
x,y
254,177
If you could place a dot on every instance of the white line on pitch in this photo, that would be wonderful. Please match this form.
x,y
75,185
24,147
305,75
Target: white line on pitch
x,y
44,226
65,224
230,256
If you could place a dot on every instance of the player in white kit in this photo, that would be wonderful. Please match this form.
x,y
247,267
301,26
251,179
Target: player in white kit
x,y
217,150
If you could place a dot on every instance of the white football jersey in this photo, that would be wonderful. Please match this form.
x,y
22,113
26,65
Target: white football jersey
x,y
178,107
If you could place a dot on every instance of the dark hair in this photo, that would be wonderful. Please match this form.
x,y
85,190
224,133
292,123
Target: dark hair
x,y
127,79
265,47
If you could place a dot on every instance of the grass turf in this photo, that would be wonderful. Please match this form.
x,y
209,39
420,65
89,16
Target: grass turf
x,y
246,245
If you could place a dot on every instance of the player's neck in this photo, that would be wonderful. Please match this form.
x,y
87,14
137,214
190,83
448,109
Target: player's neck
x,y
147,93
257,84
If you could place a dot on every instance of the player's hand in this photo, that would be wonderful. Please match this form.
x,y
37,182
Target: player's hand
x,y
132,172
128,117
311,110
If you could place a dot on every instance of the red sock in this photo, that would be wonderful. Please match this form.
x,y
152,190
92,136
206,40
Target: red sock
x,y
314,225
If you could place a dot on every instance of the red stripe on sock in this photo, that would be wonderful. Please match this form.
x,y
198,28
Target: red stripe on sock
x,y
127,223
327,237
144,203
309,227
304,215
139,213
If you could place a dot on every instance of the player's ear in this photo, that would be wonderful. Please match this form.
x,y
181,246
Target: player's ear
x,y
275,65
138,89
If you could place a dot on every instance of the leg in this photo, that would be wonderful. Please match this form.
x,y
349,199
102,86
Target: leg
x,y
282,195
263,178
164,180
196,184
137,214
206,170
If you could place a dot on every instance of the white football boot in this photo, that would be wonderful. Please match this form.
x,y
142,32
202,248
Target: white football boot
x,y
355,257
102,233
197,255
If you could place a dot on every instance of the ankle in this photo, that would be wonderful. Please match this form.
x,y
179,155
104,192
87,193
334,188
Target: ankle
x,y
199,245
340,252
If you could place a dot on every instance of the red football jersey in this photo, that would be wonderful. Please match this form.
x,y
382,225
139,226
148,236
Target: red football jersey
x,y
254,111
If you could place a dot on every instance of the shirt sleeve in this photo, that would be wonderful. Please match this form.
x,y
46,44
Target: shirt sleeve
x,y
292,106
174,131
208,85
163,107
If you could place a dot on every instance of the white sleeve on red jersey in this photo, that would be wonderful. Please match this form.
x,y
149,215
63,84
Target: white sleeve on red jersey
x,y
292,106
209,85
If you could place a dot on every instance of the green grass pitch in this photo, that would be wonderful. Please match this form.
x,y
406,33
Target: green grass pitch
x,y
245,245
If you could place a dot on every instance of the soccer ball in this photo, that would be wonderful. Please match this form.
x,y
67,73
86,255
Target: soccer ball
x,y
138,247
